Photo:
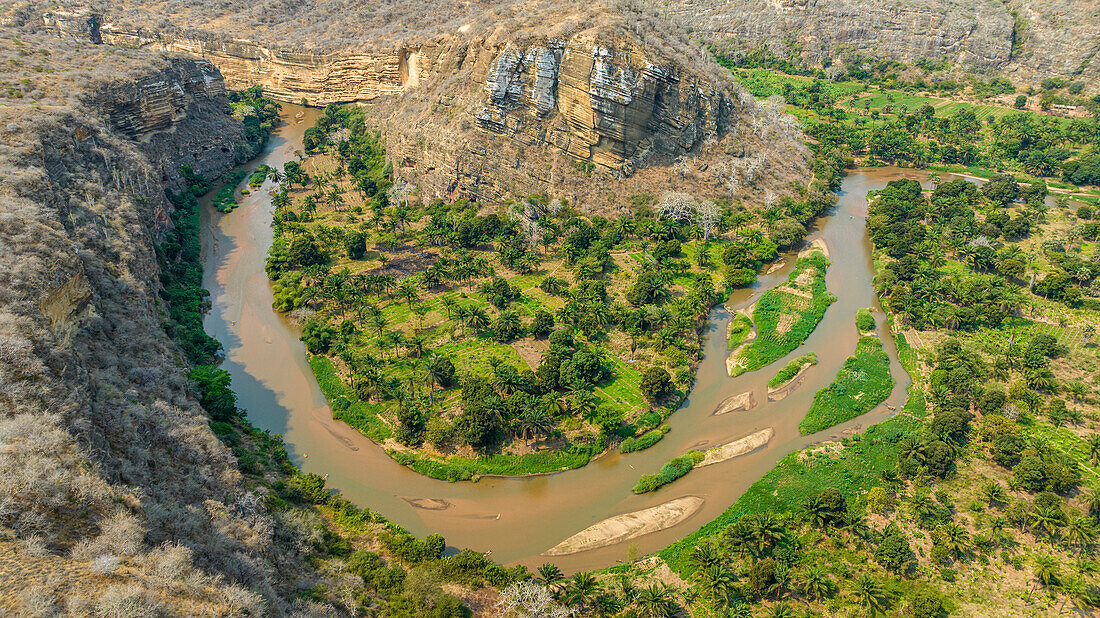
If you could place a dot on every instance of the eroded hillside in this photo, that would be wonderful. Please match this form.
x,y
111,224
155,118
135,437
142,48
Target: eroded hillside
x,y
511,100
1025,40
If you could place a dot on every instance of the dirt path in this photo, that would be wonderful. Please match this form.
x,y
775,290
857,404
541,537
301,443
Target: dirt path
x,y
628,526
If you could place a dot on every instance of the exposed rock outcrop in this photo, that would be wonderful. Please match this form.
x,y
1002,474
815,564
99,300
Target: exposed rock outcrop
x,y
489,114
104,450
1027,40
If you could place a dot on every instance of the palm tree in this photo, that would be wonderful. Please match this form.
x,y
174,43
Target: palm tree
x,y
477,319
1046,570
550,573
955,538
1094,448
448,305
1092,502
377,318
582,589
655,601
408,290
705,555
715,581
816,583
781,610
766,531
1080,532
552,404
870,595
435,375
994,493
1045,521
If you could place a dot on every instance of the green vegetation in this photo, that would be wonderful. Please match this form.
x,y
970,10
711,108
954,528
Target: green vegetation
x,y
990,297
896,124
225,200
179,261
739,330
852,470
791,369
861,384
786,315
258,114
865,322
489,343
644,441
669,472
387,569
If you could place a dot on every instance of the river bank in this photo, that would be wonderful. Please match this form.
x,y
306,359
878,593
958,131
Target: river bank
x,y
520,519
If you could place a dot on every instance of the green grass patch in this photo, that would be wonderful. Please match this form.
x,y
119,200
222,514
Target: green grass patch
x,y
739,329
791,370
346,406
776,305
643,441
505,464
862,383
224,199
669,472
800,476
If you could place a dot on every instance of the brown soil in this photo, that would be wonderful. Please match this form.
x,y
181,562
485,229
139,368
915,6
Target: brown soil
x,y
737,403
628,526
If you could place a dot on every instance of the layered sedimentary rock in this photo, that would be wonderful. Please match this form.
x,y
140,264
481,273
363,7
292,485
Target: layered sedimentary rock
x,y
487,114
1025,39
617,104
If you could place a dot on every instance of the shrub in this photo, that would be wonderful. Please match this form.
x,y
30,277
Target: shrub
x,y
865,322
669,472
791,369
656,383
215,394
642,442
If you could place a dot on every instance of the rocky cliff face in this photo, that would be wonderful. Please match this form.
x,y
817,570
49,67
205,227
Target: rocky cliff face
x,y
1025,39
104,452
488,114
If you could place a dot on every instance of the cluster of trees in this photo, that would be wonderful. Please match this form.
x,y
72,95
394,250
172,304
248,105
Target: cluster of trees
x,y
180,265
920,234
666,297
258,115
1038,144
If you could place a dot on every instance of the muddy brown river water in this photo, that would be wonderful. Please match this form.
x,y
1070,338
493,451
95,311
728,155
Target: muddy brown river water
x,y
518,519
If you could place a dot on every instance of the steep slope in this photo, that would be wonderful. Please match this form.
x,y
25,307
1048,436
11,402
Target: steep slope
x,y
109,469
1024,39
529,97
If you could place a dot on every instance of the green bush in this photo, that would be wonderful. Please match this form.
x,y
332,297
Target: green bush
x,y
669,472
865,322
791,369
224,199
861,384
642,442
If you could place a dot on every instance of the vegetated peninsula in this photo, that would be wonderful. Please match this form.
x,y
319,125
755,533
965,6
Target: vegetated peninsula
x,y
520,338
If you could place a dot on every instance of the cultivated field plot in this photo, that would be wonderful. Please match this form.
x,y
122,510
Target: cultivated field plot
x,y
786,315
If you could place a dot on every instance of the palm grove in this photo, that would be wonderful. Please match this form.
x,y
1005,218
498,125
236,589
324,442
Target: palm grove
x,y
411,305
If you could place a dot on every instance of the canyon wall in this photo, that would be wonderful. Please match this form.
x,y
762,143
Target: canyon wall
x,y
488,114
109,471
1026,40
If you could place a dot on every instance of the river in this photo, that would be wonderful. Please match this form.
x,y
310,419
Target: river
x,y
518,519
